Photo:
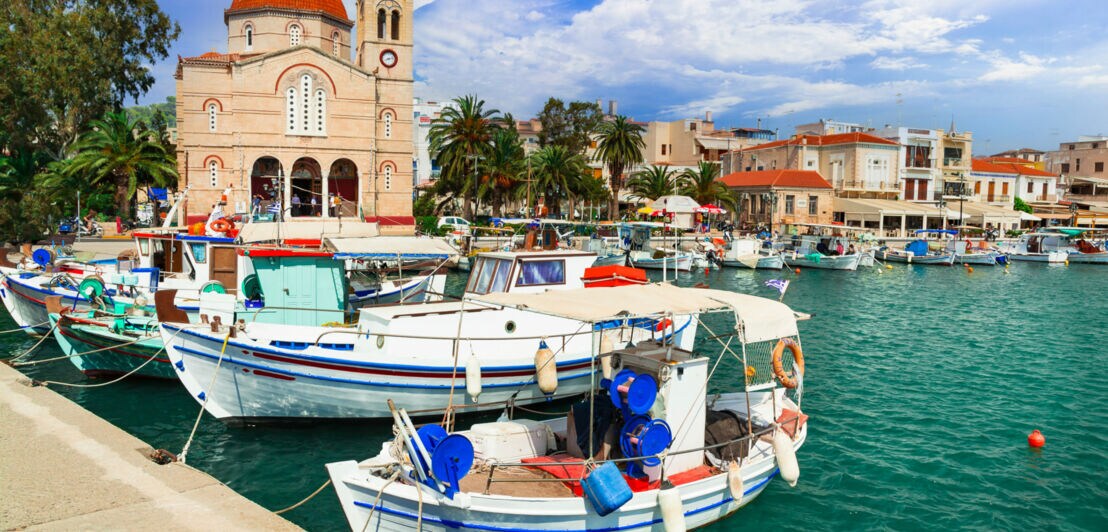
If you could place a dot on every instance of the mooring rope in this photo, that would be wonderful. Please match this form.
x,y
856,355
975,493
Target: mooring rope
x,y
36,362
124,376
17,329
36,346
378,499
188,443
306,499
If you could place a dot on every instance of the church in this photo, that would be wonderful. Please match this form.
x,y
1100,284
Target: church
x,y
286,119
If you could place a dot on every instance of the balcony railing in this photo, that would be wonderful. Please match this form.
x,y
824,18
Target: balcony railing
x,y
995,198
950,161
863,185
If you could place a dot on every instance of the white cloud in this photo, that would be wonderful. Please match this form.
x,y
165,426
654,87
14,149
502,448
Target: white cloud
x,y
718,104
899,63
535,16
1007,69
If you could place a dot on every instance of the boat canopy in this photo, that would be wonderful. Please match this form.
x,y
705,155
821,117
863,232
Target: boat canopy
x,y
763,319
314,229
388,247
937,231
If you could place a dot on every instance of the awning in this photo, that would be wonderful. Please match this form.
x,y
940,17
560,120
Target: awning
x,y
311,229
389,247
678,204
875,207
715,143
1028,217
984,213
763,319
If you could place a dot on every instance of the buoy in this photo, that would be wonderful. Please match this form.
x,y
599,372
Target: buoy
x,y
1036,439
969,269
707,270
735,481
888,266
546,373
798,271
673,514
606,346
786,457
473,377
1067,262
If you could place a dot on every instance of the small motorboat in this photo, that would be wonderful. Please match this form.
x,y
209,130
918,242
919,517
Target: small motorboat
x,y
916,252
749,253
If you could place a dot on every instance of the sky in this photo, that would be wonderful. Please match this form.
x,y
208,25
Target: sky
x,y
1016,73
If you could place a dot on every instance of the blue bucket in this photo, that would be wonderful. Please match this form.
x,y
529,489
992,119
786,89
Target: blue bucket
x,y
606,489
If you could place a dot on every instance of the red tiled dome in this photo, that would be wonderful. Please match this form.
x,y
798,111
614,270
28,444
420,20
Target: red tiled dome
x,y
330,7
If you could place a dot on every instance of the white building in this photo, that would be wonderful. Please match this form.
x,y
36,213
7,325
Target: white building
x,y
424,169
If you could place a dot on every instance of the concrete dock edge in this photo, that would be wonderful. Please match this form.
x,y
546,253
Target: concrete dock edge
x,y
64,468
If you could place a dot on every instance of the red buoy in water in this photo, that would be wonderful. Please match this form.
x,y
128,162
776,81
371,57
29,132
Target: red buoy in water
x,y
1036,439
798,271
707,270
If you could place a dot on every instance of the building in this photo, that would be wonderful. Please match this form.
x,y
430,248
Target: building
x,y
929,159
830,127
856,164
1031,157
782,196
286,115
424,113
998,182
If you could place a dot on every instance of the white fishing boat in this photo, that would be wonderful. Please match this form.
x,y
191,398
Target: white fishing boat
x,y
919,251
1050,248
659,259
820,252
296,357
1072,241
749,253
663,452
965,253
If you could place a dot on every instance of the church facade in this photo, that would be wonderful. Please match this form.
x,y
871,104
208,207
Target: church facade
x,y
285,119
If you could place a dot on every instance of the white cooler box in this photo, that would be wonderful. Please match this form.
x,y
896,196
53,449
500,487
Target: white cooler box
x,y
510,441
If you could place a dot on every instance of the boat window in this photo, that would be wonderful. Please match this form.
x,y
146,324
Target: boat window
x,y
144,246
500,278
482,276
542,272
199,252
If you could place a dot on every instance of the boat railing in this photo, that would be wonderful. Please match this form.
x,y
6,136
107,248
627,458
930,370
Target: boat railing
x,y
493,466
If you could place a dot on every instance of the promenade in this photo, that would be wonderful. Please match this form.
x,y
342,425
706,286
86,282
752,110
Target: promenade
x,y
64,468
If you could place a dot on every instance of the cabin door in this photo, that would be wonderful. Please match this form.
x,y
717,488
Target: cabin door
x,y
224,268
992,189
173,260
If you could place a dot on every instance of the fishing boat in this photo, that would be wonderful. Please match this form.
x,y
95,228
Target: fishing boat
x,y
820,252
642,253
919,251
1072,240
650,448
297,357
107,346
1050,248
965,253
749,253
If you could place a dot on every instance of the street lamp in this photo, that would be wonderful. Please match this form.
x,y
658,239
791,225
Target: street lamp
x,y
1073,214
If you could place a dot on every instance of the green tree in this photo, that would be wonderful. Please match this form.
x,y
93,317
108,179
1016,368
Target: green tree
x,y
458,138
502,168
654,182
67,62
571,126
122,155
26,211
702,185
619,148
556,172
1021,205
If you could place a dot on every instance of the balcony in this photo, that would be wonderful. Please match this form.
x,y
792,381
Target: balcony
x,y
995,198
863,185
950,162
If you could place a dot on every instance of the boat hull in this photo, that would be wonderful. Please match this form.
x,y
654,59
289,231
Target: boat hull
x,y
866,259
1088,258
681,263
826,262
985,259
115,354
618,259
1054,257
770,262
931,260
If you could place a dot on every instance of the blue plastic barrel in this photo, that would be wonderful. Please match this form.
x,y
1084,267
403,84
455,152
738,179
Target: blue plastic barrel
x,y
606,489
155,274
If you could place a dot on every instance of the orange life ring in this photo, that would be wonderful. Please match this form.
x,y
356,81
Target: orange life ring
x,y
779,368
222,225
663,324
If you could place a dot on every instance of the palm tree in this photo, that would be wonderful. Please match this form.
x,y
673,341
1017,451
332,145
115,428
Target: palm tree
x,y
557,172
619,147
703,186
17,173
122,154
502,168
654,182
461,135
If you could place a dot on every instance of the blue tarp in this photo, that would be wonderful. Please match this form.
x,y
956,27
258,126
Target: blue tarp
x,y
917,247
937,231
159,194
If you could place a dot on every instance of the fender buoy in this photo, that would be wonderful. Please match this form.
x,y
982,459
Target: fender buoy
x,y
473,377
546,372
735,481
221,225
779,368
785,453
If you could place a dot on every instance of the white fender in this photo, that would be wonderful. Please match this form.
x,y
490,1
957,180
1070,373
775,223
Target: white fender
x,y
546,372
786,457
735,481
473,377
673,513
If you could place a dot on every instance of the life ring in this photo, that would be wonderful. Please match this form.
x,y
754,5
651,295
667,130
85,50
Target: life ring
x,y
222,225
779,368
663,324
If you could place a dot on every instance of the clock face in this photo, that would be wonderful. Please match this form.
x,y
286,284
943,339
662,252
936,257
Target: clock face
x,y
388,58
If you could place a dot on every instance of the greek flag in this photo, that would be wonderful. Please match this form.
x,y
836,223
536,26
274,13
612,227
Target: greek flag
x,y
780,284
274,207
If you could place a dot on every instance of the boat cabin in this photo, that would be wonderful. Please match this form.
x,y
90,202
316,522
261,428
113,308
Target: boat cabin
x,y
176,260
528,271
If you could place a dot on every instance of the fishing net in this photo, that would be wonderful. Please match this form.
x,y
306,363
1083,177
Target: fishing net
x,y
759,360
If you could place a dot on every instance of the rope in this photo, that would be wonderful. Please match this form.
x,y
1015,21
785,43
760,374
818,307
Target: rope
x,y
37,344
124,376
35,362
184,452
306,499
17,329
378,499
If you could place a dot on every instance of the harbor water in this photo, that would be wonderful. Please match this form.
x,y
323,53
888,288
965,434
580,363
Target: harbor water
x,y
922,384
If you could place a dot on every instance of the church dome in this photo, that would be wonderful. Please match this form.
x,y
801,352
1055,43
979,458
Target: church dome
x,y
333,8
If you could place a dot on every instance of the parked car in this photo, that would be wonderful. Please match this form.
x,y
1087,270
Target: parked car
x,y
457,223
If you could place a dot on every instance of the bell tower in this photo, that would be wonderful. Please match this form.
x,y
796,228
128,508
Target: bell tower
x,y
384,47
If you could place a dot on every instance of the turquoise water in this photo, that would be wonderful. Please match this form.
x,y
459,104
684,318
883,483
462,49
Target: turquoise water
x,y
922,384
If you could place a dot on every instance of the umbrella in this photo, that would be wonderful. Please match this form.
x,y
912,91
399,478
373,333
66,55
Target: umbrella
x,y
645,210
711,209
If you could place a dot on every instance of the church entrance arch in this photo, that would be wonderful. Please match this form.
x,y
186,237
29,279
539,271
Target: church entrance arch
x,y
307,183
266,182
342,181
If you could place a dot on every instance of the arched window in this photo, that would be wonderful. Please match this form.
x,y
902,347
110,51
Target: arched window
x,y
213,173
381,17
211,117
290,104
320,111
388,177
396,25
249,31
388,125
336,43
305,103
294,35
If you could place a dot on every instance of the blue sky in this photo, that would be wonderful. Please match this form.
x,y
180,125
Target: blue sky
x,y
1014,72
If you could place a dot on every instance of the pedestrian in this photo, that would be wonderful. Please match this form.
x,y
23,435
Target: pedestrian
x,y
296,205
